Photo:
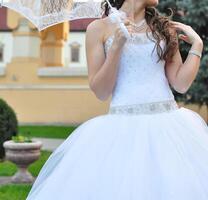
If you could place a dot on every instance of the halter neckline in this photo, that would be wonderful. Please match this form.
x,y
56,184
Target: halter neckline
x,y
134,36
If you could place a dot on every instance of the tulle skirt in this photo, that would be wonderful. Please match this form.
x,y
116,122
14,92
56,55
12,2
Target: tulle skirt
x,y
162,156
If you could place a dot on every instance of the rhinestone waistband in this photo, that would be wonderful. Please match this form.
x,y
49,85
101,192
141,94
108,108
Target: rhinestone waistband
x,y
145,108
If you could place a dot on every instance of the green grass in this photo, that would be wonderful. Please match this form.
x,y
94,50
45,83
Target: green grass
x,y
7,168
14,192
19,191
47,131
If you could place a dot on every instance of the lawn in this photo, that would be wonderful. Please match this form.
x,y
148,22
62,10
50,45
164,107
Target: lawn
x,y
19,191
47,131
14,192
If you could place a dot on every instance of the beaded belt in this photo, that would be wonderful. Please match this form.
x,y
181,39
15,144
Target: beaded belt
x,y
146,108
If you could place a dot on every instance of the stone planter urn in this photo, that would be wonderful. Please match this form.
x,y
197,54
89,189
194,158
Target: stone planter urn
x,y
22,154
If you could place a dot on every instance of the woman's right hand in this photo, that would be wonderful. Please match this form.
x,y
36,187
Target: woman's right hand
x,y
119,35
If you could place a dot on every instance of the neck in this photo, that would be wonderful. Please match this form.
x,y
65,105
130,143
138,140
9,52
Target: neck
x,y
134,12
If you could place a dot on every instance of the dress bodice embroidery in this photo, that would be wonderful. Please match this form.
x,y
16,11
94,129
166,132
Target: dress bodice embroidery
x,y
140,78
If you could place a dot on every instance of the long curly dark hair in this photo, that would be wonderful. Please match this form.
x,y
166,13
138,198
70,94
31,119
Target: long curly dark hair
x,y
159,25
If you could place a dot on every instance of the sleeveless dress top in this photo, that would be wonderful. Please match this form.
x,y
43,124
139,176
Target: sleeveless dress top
x,y
140,78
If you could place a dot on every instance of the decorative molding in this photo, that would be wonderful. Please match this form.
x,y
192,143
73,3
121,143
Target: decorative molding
x,y
43,87
25,59
62,71
32,33
74,44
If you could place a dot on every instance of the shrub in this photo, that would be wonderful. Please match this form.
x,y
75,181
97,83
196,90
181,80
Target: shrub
x,y
8,125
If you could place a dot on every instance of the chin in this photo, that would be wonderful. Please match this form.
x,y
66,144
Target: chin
x,y
152,2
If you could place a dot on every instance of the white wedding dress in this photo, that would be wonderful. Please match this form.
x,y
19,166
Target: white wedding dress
x,y
145,148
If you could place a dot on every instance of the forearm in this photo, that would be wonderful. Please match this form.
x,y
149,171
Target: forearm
x,y
188,70
104,81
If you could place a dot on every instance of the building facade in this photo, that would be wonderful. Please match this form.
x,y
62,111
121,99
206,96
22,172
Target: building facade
x,y
43,75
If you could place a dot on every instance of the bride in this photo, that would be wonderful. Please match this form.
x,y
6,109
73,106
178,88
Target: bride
x,y
146,147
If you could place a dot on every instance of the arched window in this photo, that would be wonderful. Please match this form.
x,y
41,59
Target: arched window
x,y
1,52
75,52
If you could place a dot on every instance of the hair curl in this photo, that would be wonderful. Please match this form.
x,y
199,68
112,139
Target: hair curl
x,y
159,25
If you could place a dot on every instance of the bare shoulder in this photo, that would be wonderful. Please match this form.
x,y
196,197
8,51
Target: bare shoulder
x,y
95,29
98,29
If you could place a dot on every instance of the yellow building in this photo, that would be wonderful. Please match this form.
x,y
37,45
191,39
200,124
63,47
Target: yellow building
x,y
43,76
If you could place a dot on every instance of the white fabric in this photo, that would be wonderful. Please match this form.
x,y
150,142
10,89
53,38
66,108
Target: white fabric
x,y
45,13
161,156
140,78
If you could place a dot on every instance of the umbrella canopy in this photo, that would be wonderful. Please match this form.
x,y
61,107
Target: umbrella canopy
x,y
45,13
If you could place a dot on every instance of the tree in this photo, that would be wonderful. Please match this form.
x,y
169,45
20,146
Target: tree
x,y
195,14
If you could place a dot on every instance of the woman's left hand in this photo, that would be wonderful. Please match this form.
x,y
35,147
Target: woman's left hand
x,y
190,37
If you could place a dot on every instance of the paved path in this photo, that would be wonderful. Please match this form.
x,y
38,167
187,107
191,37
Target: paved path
x,y
4,180
49,143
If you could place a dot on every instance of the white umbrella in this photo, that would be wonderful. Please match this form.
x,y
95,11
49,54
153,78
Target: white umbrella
x,y
45,13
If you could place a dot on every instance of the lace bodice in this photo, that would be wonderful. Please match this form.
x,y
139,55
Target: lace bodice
x,y
140,78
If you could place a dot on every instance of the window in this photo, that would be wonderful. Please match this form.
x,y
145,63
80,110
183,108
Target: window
x,y
1,52
75,52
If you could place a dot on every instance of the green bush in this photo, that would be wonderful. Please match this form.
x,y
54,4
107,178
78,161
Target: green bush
x,y
8,125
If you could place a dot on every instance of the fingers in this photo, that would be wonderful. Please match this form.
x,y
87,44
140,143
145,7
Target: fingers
x,y
119,30
184,37
189,36
127,22
179,25
176,25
